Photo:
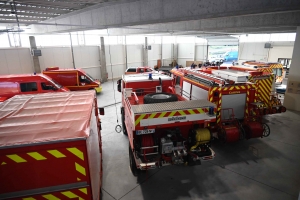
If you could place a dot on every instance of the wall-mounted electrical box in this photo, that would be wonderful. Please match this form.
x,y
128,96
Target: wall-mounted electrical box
x,y
36,52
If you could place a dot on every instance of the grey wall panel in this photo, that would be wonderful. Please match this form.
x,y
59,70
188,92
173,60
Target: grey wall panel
x,y
134,54
3,63
25,60
185,53
114,71
154,54
201,52
56,56
252,51
115,60
235,101
13,61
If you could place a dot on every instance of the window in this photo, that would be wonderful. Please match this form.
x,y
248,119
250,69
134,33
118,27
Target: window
x,y
47,86
131,70
28,87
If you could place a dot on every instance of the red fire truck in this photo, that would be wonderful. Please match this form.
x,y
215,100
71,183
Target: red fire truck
x,y
15,84
73,79
50,147
239,105
163,127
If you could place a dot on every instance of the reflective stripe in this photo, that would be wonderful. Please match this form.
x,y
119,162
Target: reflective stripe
x,y
50,197
37,156
80,169
69,194
191,111
139,119
84,190
16,158
56,153
76,152
162,114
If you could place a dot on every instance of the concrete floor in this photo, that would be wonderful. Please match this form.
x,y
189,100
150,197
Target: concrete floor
x,y
267,168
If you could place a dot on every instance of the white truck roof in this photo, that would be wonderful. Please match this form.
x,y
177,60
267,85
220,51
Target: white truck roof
x,y
145,77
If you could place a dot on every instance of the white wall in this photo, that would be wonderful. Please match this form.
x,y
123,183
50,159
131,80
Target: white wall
x,y
253,51
201,53
167,54
186,52
115,60
56,56
280,52
154,54
257,51
135,55
15,61
88,58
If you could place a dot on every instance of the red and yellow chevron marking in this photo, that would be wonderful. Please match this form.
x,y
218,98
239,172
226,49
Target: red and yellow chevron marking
x,y
80,193
138,118
265,69
45,155
263,89
219,106
211,93
276,65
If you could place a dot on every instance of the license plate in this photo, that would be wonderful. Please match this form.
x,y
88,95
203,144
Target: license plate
x,y
146,131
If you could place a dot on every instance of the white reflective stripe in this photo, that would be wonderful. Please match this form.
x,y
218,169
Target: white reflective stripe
x,y
173,119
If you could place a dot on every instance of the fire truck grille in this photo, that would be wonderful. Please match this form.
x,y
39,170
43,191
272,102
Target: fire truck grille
x,y
169,106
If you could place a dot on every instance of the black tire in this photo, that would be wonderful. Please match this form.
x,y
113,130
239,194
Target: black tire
x,y
123,121
159,98
135,171
267,131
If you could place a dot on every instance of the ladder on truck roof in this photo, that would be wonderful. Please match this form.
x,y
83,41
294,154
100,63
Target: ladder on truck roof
x,y
170,113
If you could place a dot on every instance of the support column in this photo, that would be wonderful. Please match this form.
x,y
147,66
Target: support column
x,y
292,94
126,63
145,60
36,62
103,70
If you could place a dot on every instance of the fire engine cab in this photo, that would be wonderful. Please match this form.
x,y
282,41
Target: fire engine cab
x,y
163,128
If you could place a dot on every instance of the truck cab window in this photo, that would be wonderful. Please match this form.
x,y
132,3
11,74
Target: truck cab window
x,y
47,86
28,87
84,79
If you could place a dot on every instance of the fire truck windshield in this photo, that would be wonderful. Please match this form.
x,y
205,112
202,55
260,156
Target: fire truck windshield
x,y
56,84
90,77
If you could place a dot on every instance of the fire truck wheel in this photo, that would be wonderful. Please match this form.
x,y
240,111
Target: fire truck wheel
x,y
123,121
159,98
135,171
266,128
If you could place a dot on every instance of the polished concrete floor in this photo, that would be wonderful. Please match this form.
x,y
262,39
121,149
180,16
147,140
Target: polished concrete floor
x,y
267,168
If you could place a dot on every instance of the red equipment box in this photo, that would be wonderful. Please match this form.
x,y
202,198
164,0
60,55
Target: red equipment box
x,y
50,146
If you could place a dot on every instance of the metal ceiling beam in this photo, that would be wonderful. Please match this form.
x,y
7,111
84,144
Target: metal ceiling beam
x,y
21,22
30,14
22,17
53,4
37,9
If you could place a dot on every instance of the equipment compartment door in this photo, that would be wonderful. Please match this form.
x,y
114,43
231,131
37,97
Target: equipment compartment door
x,y
235,101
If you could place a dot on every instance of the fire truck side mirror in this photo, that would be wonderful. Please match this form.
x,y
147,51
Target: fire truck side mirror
x,y
101,111
119,85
